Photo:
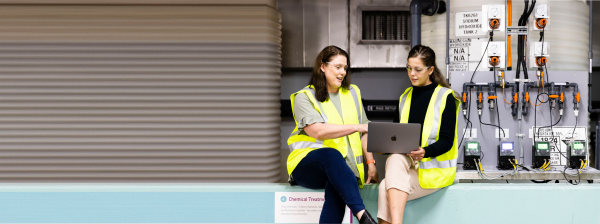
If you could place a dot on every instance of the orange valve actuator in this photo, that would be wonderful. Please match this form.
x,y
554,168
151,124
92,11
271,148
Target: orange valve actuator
x,y
541,23
494,24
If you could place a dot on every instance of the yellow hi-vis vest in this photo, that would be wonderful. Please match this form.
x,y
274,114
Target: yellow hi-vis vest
x,y
301,145
435,172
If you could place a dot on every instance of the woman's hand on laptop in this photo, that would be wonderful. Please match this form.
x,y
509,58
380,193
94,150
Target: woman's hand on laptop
x,y
417,155
363,128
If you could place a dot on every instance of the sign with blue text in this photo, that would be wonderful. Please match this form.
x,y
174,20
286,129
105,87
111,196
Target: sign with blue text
x,y
302,207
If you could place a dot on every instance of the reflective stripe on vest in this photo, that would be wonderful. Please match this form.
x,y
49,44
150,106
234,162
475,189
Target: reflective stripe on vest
x,y
306,144
357,104
359,159
434,163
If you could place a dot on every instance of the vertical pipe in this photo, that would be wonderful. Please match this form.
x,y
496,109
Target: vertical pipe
x,y
591,55
415,22
597,145
448,41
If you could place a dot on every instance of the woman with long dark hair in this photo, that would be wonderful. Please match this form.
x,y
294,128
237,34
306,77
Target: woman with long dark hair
x,y
328,145
432,103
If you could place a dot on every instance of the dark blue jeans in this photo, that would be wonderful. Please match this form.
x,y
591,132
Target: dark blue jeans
x,y
326,168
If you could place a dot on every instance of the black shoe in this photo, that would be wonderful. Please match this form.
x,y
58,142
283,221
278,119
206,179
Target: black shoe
x,y
366,218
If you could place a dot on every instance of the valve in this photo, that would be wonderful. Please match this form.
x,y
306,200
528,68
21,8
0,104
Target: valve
x,y
514,105
541,61
561,100
541,23
494,61
494,24
576,104
464,104
491,95
491,101
479,102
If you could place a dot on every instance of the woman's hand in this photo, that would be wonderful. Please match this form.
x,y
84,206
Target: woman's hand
x,y
417,155
363,128
372,176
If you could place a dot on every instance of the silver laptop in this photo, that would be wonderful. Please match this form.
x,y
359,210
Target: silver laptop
x,y
393,137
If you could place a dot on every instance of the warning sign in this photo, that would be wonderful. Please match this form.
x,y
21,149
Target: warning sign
x,y
467,24
465,53
559,138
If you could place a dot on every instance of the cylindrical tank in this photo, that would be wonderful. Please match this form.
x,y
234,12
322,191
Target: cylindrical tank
x,y
567,32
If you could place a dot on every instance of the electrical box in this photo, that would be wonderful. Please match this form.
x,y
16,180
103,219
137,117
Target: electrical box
x,y
577,154
495,56
493,18
541,17
472,155
540,154
539,52
541,11
506,155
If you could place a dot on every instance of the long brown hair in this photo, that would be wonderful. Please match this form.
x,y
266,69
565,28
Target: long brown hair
x,y
427,56
318,79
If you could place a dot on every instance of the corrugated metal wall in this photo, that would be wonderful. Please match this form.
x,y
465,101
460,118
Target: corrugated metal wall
x,y
139,93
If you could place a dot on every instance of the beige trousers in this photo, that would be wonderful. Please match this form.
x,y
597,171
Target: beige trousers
x,y
400,173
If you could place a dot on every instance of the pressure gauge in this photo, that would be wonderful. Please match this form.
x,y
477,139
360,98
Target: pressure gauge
x,y
494,11
541,11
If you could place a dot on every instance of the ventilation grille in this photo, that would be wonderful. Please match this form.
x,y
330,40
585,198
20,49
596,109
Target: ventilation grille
x,y
386,26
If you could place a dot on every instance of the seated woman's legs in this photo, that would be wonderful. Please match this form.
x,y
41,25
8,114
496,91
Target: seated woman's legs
x,y
401,184
326,169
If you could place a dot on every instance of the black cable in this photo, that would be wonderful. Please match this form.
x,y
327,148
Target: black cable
x,y
535,115
498,115
481,122
552,132
486,47
572,134
573,182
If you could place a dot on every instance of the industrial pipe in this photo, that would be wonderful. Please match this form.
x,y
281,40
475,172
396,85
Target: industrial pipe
x,y
591,55
448,41
418,8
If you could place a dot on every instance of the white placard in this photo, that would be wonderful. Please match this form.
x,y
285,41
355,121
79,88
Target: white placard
x,y
302,207
468,24
465,54
559,137
468,133
500,134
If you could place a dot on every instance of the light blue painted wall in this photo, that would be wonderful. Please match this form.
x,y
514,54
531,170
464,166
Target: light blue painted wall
x,y
254,203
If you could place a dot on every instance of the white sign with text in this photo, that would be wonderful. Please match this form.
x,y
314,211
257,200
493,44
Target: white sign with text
x,y
465,54
468,24
302,207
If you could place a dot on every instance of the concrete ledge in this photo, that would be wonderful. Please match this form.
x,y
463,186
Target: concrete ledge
x,y
254,203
